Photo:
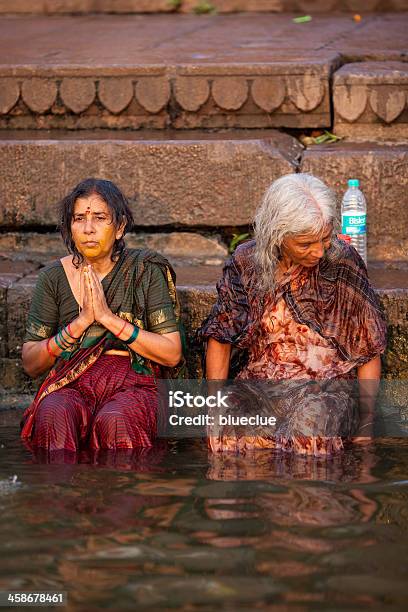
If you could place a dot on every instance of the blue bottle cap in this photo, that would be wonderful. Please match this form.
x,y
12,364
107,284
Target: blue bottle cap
x,y
353,183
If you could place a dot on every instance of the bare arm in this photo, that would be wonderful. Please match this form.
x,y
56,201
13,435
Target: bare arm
x,y
218,360
369,380
37,359
161,348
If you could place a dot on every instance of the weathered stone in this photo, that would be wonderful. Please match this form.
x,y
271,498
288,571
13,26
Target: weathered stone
x,y
303,6
39,94
172,73
230,92
311,6
191,92
387,102
395,359
389,275
306,91
203,183
193,248
153,93
268,93
18,302
231,6
29,249
395,304
77,93
49,7
196,303
13,378
115,94
385,84
382,171
9,94
350,102
231,106
6,280
12,270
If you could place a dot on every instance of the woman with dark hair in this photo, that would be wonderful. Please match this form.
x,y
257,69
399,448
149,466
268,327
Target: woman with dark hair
x,y
105,319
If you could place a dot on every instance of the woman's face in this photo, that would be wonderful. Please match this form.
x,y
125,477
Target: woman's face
x,y
306,249
92,228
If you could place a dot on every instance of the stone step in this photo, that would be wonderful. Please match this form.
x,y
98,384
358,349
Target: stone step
x,y
201,180
52,7
163,71
196,286
370,101
382,171
19,250
196,181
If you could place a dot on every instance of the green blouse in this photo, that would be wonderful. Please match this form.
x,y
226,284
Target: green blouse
x,y
136,290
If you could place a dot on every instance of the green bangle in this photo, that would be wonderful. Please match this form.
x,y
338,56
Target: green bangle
x,y
133,336
65,340
61,341
57,343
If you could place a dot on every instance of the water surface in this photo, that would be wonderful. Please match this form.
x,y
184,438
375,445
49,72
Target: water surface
x,y
178,529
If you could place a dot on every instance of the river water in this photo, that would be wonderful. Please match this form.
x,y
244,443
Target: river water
x,y
176,528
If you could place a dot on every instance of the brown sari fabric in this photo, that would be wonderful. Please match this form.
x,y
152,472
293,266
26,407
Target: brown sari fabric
x,y
335,300
304,343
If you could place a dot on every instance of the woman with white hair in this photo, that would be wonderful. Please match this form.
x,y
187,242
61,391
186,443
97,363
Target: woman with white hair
x,y
296,305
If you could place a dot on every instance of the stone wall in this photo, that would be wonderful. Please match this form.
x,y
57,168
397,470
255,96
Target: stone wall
x,y
50,7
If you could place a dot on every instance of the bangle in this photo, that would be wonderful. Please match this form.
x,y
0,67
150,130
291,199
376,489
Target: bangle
x,y
64,341
133,336
60,345
124,325
49,349
57,343
69,331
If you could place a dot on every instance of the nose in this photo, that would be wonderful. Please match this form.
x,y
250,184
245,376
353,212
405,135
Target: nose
x,y
89,226
318,250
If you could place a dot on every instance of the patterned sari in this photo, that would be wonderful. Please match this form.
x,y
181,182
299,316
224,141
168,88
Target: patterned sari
x,y
306,342
128,296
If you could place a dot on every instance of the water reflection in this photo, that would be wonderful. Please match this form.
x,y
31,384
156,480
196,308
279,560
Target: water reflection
x,y
266,464
140,460
178,528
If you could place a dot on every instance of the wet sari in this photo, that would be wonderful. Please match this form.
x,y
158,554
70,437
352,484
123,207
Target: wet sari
x,y
296,352
140,288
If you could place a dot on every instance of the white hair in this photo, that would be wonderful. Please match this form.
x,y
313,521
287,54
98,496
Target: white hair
x,y
293,204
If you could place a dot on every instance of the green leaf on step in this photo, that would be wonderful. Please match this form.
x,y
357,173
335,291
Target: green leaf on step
x,y
236,239
303,19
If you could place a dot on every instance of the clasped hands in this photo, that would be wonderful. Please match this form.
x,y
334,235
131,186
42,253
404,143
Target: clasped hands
x,y
94,306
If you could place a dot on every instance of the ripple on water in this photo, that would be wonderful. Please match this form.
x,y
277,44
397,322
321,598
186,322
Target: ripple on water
x,y
183,529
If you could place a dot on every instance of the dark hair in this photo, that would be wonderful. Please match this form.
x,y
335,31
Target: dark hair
x,y
116,202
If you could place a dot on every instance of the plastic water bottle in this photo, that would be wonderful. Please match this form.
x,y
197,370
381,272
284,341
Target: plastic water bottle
x,y
353,217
